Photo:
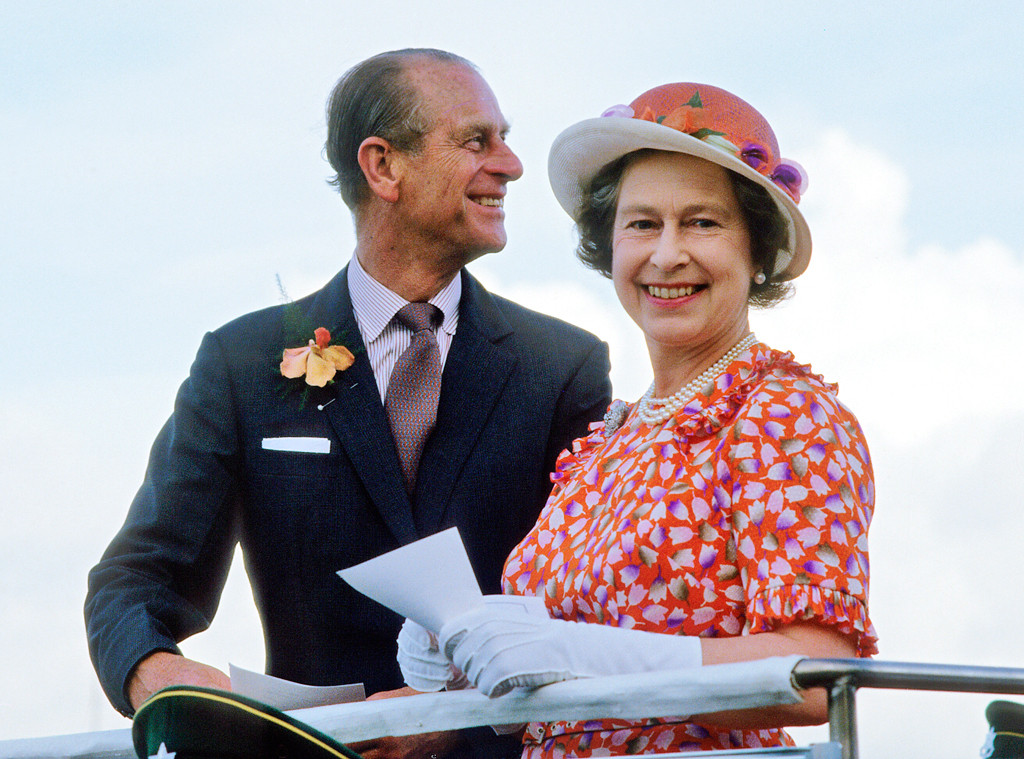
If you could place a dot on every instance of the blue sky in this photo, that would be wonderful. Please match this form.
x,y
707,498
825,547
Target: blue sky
x,y
162,167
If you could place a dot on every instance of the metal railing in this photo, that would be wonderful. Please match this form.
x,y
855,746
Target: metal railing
x,y
699,690
843,677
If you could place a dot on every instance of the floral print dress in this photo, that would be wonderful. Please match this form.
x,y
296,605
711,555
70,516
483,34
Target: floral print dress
x,y
747,510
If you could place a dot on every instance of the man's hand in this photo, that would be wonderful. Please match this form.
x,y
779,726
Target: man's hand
x,y
162,668
423,746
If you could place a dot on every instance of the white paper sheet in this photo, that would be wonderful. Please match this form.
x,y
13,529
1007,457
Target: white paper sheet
x,y
429,581
286,695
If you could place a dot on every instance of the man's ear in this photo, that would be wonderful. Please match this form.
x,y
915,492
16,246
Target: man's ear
x,y
381,165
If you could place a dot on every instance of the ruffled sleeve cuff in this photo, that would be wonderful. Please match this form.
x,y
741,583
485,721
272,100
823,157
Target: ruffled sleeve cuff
x,y
783,604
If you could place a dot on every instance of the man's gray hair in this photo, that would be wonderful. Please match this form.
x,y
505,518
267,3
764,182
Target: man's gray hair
x,y
375,98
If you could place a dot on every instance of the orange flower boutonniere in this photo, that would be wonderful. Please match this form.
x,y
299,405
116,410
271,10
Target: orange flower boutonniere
x,y
318,361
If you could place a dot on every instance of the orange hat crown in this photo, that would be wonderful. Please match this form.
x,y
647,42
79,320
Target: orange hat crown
x,y
721,119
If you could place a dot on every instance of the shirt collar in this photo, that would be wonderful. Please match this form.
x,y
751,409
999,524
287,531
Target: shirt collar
x,y
375,305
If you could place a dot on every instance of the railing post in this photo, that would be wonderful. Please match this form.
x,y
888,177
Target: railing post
x,y
842,715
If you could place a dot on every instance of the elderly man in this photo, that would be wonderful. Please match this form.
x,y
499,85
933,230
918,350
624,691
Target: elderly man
x,y
411,400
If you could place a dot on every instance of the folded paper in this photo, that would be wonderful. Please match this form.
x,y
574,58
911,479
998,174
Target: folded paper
x,y
286,695
428,581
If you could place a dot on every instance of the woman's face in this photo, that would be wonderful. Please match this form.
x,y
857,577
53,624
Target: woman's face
x,y
681,259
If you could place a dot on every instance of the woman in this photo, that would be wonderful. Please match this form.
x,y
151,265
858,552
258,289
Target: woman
x,y
723,517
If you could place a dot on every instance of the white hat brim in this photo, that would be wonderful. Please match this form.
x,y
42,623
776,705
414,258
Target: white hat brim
x,y
582,150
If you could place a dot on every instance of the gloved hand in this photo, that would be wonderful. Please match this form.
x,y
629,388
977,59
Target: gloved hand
x,y
499,650
423,665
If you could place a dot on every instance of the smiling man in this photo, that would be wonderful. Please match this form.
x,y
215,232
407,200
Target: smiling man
x,y
447,406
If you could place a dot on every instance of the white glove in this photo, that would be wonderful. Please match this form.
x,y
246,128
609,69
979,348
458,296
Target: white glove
x,y
423,665
499,651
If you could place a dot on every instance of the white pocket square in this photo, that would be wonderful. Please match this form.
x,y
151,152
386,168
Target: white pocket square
x,y
297,444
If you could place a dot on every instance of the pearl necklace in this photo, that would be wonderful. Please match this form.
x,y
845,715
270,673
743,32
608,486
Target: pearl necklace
x,y
653,410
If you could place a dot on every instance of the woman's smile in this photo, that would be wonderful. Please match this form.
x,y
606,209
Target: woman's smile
x,y
672,292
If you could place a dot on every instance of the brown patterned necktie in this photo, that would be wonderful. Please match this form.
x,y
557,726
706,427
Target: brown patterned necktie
x,y
414,388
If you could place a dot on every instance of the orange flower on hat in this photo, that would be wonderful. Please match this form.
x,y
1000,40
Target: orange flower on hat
x,y
692,119
687,119
647,115
318,361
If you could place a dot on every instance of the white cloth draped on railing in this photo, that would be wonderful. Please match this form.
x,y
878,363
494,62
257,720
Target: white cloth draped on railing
x,y
674,692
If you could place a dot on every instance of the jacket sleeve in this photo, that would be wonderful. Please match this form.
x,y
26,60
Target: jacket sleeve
x,y
161,578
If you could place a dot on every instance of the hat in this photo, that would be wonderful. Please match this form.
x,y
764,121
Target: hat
x,y
696,119
1006,730
187,722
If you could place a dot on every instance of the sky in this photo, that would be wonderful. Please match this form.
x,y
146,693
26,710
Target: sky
x,y
162,169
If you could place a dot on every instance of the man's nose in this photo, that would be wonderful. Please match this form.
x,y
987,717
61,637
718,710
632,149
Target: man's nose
x,y
506,163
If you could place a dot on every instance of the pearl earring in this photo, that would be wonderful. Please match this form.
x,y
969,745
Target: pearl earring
x,y
759,278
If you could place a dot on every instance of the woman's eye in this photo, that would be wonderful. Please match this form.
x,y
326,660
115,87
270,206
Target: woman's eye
x,y
641,224
704,223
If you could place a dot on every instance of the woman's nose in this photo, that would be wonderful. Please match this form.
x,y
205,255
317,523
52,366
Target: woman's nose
x,y
670,251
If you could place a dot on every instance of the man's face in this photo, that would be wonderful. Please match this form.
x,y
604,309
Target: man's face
x,y
452,191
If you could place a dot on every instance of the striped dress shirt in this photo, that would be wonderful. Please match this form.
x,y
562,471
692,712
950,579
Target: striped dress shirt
x,y
385,338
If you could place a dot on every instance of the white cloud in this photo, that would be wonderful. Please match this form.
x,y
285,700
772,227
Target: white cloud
x,y
916,336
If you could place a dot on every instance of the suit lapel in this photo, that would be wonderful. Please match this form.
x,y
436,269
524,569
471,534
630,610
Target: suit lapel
x,y
358,417
475,373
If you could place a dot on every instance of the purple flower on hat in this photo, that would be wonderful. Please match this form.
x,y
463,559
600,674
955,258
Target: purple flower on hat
x,y
619,111
754,155
791,177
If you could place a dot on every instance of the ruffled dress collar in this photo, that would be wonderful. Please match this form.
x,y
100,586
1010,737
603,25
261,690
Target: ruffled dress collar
x,y
715,406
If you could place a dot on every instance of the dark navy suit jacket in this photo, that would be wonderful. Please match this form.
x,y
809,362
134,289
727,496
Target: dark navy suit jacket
x,y
517,388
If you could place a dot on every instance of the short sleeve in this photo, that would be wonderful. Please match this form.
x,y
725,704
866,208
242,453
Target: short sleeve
x,y
802,494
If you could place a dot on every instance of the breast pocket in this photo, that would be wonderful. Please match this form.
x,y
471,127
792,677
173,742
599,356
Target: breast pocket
x,y
295,456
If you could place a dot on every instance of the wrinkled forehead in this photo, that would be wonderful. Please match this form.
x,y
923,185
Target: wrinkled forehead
x,y
453,92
